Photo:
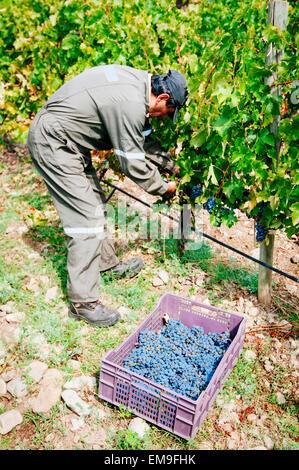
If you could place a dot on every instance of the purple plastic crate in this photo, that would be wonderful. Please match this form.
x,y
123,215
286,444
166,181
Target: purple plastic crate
x,y
163,407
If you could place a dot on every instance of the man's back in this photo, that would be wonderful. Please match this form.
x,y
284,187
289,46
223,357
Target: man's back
x,y
103,94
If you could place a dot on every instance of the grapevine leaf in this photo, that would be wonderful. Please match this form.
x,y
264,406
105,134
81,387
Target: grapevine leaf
x,y
211,175
295,213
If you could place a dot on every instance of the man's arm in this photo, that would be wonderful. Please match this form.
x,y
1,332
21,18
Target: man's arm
x,y
124,124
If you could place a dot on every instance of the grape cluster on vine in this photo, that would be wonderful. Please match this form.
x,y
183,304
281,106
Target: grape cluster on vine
x,y
261,232
178,358
210,204
195,192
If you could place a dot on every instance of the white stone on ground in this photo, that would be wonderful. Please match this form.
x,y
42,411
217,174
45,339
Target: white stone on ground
x,y
3,387
280,398
17,388
9,420
139,426
79,383
75,365
77,423
50,390
36,370
75,403
249,355
9,375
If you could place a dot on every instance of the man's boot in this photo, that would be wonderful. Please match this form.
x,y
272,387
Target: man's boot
x,y
94,313
126,269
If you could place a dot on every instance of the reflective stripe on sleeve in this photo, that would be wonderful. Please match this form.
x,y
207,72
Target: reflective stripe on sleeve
x,y
129,155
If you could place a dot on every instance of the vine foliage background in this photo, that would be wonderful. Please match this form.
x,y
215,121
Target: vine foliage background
x,y
226,147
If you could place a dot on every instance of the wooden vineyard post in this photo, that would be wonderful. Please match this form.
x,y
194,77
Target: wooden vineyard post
x,y
278,16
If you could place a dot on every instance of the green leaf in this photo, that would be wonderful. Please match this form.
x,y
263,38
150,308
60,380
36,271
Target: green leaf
x,y
200,138
295,213
211,175
193,63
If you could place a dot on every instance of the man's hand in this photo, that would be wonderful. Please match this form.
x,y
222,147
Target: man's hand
x,y
172,185
176,171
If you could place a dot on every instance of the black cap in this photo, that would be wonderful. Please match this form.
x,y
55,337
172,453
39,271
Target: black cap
x,y
176,83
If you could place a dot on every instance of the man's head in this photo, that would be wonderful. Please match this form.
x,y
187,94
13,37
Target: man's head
x,y
168,94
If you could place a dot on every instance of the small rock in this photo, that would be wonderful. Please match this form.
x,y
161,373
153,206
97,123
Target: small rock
x,y
258,448
79,383
205,445
227,427
9,420
3,387
95,437
9,375
50,390
44,348
286,324
33,286
75,365
295,259
253,311
33,256
36,370
17,388
268,366
164,276
124,311
10,335
248,305
291,288
157,282
77,423
38,339
45,280
295,358
227,416
293,344
50,437
200,281
231,444
249,355
7,308
139,426
268,443
75,403
98,413
220,400
52,294
280,398
15,317
251,418
235,436
273,358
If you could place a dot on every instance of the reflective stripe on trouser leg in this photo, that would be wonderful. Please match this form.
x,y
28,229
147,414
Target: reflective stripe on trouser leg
x,y
77,205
